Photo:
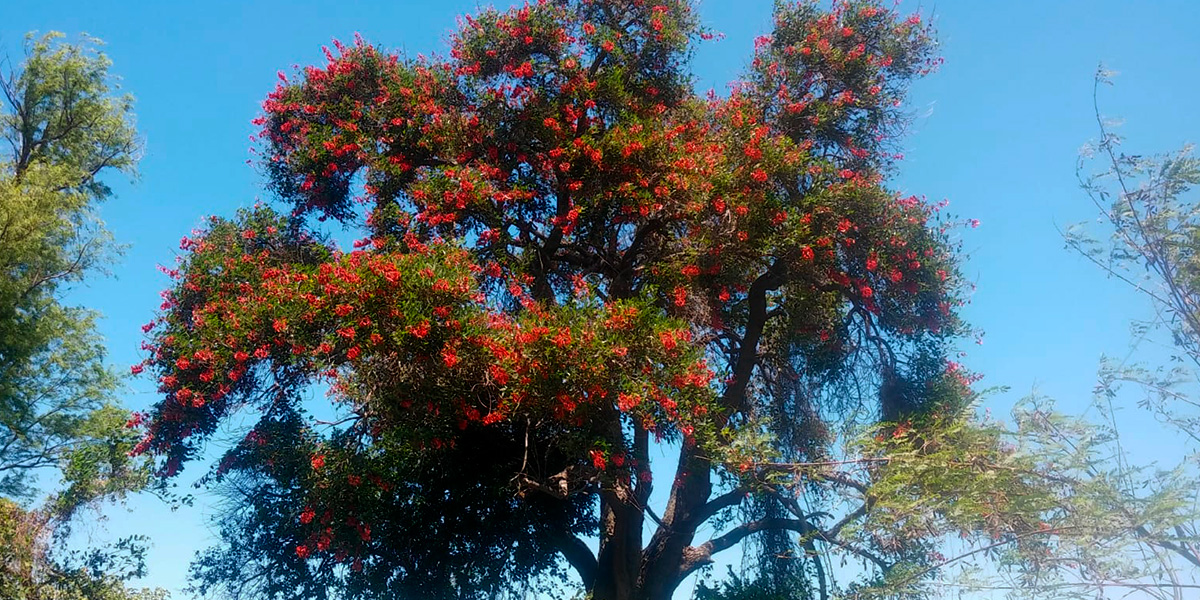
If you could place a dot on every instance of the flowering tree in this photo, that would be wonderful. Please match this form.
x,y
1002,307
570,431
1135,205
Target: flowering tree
x,y
568,258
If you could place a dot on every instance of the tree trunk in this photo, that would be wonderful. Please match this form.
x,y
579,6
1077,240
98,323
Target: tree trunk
x,y
664,556
620,553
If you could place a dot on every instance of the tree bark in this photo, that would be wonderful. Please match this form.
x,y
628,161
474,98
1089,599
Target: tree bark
x,y
664,556
620,545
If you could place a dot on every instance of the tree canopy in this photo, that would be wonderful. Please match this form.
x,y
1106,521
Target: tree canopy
x,y
64,127
567,258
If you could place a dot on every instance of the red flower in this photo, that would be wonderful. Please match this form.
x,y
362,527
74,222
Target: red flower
x,y
680,296
306,517
598,459
499,375
302,551
525,70
135,369
759,175
626,402
807,253
449,357
563,338
135,419
318,461
421,330
866,291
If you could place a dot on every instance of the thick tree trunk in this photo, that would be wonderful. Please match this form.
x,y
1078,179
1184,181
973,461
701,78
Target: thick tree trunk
x,y
620,553
664,556
626,571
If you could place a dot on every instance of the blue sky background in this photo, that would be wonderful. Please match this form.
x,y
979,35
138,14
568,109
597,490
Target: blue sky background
x,y
997,133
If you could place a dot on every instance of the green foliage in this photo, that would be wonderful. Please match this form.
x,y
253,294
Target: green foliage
x,y
1049,506
64,128
29,572
1151,216
735,587
1154,227
511,537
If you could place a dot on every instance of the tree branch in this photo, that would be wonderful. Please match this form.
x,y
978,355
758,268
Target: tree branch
x,y
731,498
735,394
578,555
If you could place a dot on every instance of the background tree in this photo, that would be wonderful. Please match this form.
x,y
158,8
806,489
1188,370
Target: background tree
x,y
568,258
1152,224
1153,245
64,128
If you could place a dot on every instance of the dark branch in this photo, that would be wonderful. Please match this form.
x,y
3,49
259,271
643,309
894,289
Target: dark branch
x,y
579,556
716,505
747,358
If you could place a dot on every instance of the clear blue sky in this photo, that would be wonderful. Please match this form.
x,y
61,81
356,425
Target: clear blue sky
x,y
998,132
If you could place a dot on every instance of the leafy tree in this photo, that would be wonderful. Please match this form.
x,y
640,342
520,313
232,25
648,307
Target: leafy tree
x,y
64,128
568,259
1152,243
29,569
